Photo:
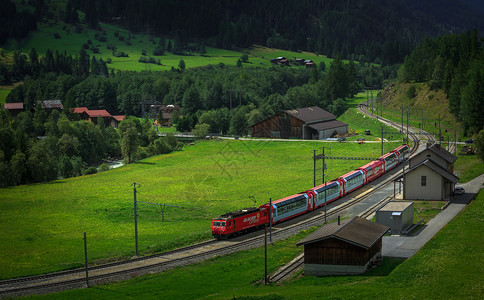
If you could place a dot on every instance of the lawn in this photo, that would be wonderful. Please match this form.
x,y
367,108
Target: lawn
x,y
43,224
449,266
3,96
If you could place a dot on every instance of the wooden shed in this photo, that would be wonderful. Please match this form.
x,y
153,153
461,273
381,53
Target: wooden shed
x,y
349,247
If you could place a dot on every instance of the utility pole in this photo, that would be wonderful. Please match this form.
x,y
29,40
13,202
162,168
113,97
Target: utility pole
x,y
85,259
135,217
266,280
270,220
324,181
314,173
440,133
402,118
408,116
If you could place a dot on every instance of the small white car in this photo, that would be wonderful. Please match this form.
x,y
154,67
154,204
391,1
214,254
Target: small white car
x,y
459,191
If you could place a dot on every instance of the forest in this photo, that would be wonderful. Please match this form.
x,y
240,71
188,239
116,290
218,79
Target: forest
x,y
454,63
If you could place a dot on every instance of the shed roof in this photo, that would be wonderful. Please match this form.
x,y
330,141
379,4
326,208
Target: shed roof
x,y
119,118
52,104
310,114
429,163
327,125
98,113
357,231
78,110
396,206
16,105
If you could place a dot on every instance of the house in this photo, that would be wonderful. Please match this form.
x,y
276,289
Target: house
x,y
14,108
431,174
302,123
439,155
343,248
165,112
398,215
94,115
428,180
50,105
115,120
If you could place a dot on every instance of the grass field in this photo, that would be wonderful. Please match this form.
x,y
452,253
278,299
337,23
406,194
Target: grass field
x,y
449,266
43,224
70,41
3,96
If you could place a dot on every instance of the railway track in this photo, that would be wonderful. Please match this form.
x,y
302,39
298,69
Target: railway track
x,y
187,255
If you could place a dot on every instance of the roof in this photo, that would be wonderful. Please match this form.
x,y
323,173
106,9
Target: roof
x,y
357,231
52,104
396,206
98,113
119,118
311,114
78,110
327,125
437,169
437,149
16,105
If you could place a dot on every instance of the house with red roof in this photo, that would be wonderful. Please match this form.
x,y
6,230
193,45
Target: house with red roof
x,y
14,108
115,120
94,115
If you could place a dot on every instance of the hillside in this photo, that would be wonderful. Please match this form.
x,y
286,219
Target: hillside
x,y
369,30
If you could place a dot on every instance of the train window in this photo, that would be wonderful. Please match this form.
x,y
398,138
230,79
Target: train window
x,y
228,223
216,224
223,224
265,213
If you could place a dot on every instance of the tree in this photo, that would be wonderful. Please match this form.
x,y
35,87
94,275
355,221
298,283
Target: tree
x,y
238,123
201,130
181,65
472,102
480,144
41,164
175,117
18,166
129,144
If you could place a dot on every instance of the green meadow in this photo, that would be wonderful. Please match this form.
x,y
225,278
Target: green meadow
x,y
43,224
133,44
449,266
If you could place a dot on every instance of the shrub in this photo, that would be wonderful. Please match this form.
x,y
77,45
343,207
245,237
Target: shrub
x,y
104,167
90,170
57,36
158,51
109,60
95,49
142,153
143,51
89,42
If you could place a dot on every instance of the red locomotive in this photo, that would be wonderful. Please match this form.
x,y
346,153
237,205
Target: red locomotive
x,y
242,221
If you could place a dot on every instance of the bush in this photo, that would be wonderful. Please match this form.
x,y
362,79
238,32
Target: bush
x,y
90,170
158,51
142,153
104,167
143,51
57,36
109,60
95,50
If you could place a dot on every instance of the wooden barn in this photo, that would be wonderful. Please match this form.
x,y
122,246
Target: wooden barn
x,y
14,108
345,248
302,123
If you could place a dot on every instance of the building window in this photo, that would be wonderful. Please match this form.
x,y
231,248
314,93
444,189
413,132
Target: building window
x,y
423,181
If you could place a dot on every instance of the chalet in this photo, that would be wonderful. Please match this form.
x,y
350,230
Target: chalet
x,y
302,123
94,115
431,174
14,108
166,111
309,64
345,248
50,105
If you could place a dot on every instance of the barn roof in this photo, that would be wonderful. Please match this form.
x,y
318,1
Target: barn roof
x,y
327,125
16,105
357,231
310,114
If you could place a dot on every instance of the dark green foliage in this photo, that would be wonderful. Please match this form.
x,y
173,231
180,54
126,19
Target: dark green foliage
x,y
90,170
480,144
454,63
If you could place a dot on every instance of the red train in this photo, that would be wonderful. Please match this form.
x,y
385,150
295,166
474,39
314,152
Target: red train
x,y
242,221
